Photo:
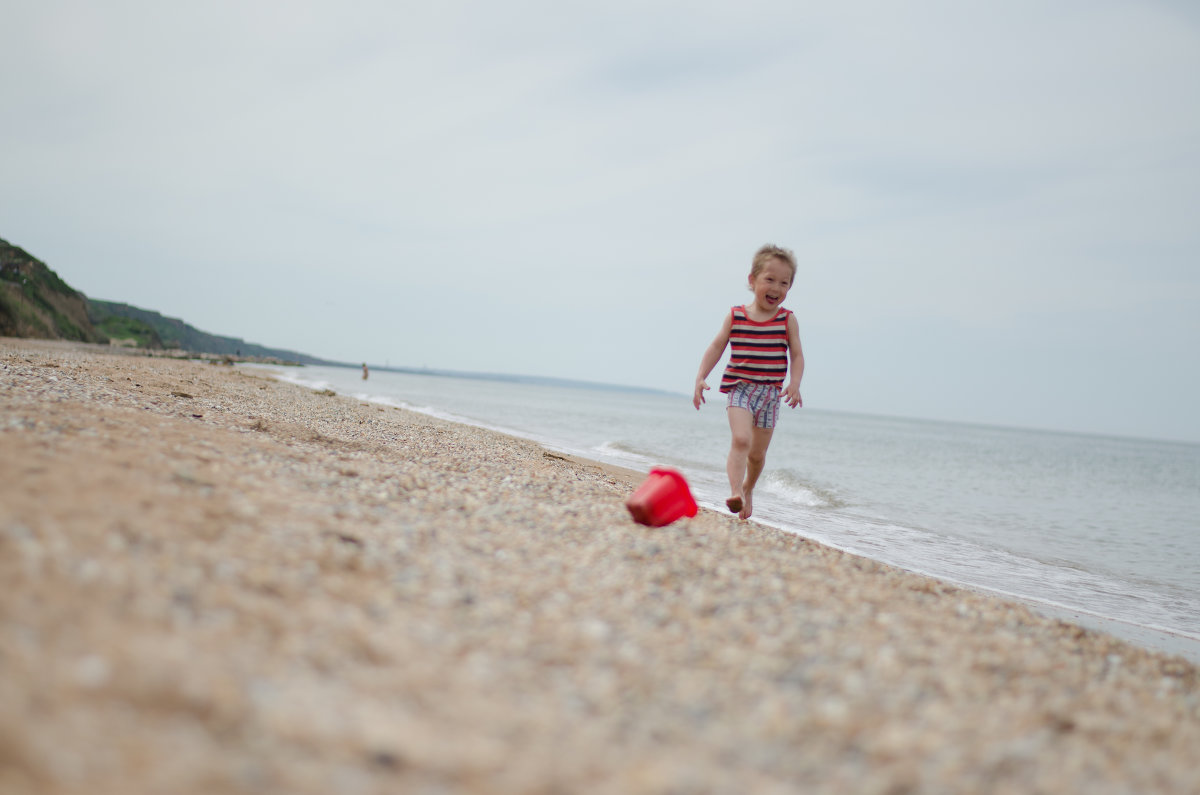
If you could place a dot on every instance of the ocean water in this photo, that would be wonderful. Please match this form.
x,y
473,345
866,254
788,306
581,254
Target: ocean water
x,y
1100,529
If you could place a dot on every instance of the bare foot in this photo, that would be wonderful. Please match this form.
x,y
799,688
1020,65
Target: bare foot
x,y
734,504
747,509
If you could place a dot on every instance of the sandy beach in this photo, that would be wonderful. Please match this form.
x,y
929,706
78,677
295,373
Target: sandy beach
x,y
211,581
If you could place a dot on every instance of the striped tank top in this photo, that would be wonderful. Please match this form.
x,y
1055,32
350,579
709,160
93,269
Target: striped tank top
x,y
758,351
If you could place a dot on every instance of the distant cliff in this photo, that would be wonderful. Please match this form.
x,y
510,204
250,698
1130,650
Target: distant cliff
x,y
35,302
148,329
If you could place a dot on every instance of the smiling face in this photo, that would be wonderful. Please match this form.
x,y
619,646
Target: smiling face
x,y
771,285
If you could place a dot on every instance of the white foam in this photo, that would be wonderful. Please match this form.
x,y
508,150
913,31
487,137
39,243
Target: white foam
x,y
615,452
784,484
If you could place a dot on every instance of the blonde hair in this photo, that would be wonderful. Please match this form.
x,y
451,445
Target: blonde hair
x,y
769,252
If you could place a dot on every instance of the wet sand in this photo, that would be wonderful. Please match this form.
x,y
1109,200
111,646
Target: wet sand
x,y
211,581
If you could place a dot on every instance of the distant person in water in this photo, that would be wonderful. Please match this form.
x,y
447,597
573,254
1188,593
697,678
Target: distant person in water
x,y
764,339
364,371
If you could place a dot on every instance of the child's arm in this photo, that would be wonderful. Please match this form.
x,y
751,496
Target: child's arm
x,y
791,395
712,355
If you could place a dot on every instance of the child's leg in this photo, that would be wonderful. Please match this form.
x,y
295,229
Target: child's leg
x,y
756,457
741,428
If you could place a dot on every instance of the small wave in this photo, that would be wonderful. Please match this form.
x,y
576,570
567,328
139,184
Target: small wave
x,y
426,410
617,448
308,383
787,484
618,451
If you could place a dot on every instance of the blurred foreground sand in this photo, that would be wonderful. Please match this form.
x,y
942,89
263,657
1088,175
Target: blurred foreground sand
x,y
214,582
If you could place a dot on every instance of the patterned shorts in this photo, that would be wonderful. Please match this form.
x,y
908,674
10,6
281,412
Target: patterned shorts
x,y
761,400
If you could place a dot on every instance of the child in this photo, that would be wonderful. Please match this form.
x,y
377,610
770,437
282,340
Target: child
x,y
764,339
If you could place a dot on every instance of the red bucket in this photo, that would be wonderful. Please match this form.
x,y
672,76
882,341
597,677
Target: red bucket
x,y
661,499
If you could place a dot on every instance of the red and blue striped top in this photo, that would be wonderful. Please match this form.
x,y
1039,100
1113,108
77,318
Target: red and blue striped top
x,y
758,351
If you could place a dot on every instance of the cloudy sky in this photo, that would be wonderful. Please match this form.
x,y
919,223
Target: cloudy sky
x,y
993,203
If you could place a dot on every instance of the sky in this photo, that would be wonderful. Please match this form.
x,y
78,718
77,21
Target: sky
x,y
993,204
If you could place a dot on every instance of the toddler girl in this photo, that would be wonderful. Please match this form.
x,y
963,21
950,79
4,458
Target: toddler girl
x,y
764,340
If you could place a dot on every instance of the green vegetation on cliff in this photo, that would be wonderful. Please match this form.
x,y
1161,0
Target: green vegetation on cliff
x,y
153,330
35,302
125,330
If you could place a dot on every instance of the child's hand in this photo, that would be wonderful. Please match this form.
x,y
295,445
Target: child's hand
x,y
698,397
791,395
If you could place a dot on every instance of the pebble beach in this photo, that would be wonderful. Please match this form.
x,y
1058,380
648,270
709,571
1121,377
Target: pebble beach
x,y
212,581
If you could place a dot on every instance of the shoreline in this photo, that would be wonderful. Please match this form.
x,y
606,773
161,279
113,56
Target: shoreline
x,y
1147,636
242,585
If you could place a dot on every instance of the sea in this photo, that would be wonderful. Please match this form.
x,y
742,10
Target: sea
x,y
1103,531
